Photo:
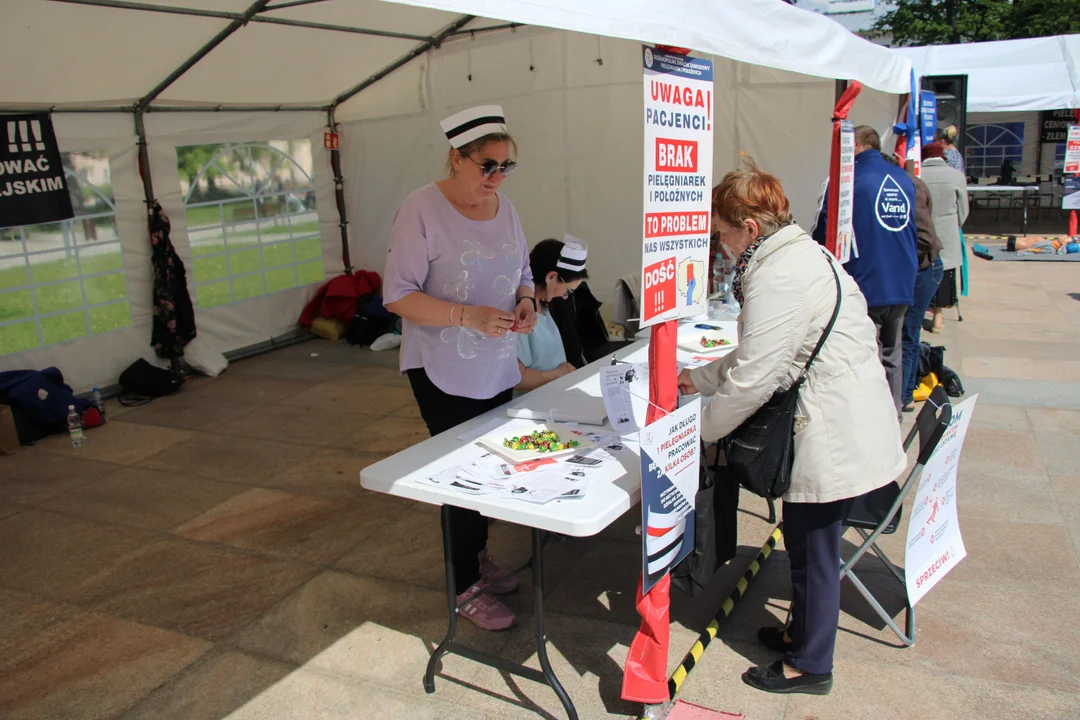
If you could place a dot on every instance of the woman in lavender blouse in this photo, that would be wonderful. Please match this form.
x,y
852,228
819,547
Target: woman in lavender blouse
x,y
458,274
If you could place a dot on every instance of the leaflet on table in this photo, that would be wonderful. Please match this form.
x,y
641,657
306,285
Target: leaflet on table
x,y
537,481
625,389
496,467
535,487
609,446
670,457
934,545
677,185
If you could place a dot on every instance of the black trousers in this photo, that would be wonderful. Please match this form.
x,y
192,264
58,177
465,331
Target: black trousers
x,y
812,537
441,412
889,320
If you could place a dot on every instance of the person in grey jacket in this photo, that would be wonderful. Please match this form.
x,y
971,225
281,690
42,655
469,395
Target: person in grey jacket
x,y
948,192
847,440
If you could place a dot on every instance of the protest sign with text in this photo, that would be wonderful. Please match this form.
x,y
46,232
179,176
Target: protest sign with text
x,y
678,185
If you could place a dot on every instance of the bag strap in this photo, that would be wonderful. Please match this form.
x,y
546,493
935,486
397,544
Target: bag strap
x,y
829,327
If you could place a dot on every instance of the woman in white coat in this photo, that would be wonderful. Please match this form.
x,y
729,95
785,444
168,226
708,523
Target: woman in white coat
x,y
847,439
948,194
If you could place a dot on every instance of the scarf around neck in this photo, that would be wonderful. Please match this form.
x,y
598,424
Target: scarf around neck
x,y
740,268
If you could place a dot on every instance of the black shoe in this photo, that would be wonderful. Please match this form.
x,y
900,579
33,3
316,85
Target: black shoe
x,y
910,407
770,678
773,638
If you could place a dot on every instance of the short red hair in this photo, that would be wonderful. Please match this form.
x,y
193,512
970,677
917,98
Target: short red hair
x,y
749,193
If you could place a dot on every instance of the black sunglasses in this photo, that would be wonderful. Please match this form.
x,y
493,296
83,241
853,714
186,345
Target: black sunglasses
x,y
489,166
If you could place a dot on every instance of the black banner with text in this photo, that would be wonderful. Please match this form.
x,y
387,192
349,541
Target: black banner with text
x,y
33,189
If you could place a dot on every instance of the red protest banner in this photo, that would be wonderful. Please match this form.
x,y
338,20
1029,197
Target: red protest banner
x,y
841,170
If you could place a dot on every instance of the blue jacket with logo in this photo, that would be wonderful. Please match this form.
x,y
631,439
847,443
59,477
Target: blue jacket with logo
x,y
883,221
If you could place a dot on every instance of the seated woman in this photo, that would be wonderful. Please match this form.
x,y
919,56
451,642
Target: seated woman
x,y
558,268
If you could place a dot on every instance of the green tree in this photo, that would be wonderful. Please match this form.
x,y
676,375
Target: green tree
x,y
193,158
937,22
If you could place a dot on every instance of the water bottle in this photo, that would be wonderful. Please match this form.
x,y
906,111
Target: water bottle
x,y
99,403
74,423
717,277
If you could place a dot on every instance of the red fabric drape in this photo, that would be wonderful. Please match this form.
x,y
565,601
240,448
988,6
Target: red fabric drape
x,y
645,672
840,112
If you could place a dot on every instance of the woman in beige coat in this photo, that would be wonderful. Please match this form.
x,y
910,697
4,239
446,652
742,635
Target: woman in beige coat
x,y
847,439
948,193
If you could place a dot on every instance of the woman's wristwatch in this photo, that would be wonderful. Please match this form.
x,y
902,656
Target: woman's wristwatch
x,y
530,298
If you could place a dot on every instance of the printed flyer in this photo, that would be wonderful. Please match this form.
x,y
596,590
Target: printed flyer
x,y
670,459
934,545
678,185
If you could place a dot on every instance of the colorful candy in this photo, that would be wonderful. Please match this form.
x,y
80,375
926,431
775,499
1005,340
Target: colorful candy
x,y
707,342
540,441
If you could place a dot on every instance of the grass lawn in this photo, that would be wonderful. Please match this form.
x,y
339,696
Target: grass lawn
x,y
263,269
207,216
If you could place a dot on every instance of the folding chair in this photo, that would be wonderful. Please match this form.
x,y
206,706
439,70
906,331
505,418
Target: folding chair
x,y
878,512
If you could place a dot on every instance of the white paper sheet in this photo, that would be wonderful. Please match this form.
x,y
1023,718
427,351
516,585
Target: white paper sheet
x,y
625,389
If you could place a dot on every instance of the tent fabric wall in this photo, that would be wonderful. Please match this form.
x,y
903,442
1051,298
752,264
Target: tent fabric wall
x,y
577,119
268,316
99,359
578,124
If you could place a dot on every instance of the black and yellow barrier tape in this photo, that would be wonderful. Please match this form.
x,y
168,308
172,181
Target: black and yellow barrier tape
x,y
679,676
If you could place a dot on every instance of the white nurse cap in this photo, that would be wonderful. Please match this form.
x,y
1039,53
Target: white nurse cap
x,y
472,124
573,254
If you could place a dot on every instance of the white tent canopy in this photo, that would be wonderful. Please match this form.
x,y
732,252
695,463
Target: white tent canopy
x,y
1009,75
570,83
113,53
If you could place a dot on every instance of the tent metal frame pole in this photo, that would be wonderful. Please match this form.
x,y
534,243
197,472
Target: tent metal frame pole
x,y
140,112
125,109
489,28
202,52
339,195
290,4
150,200
432,42
254,17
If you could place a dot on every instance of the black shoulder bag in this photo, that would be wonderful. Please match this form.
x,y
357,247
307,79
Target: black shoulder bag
x,y
761,451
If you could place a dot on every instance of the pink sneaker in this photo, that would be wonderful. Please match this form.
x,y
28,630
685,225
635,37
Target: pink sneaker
x,y
484,611
497,579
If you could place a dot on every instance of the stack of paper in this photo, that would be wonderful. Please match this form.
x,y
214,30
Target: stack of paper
x,y
537,481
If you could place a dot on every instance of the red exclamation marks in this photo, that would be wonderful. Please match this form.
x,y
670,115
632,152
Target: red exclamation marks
x,y
35,127
26,146
13,143
708,108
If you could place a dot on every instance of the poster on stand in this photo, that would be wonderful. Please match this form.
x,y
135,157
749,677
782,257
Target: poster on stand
x,y
670,460
839,233
914,154
928,115
1072,151
934,545
678,185
1070,199
33,188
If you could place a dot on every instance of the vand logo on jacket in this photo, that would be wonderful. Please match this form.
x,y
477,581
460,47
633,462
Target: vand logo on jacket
x,y
892,207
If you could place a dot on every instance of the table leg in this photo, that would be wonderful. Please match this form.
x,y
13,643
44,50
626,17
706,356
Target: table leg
x,y
451,600
541,636
1023,227
448,645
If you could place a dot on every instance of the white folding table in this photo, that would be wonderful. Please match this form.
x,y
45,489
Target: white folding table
x,y
616,489
1023,190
